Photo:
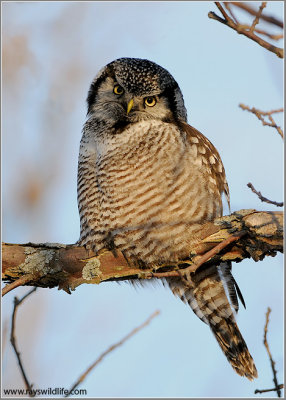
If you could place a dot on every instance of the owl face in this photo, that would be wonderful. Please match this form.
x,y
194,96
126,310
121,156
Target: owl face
x,y
129,90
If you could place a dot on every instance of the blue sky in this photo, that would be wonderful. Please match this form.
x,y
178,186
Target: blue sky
x,y
51,53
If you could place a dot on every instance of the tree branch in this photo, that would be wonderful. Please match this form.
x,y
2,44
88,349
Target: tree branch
x,y
269,390
110,349
257,16
269,353
264,199
242,29
243,234
272,362
261,114
17,302
19,282
250,10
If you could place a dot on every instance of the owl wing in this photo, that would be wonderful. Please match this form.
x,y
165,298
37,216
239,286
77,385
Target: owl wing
x,y
89,195
217,170
211,291
210,157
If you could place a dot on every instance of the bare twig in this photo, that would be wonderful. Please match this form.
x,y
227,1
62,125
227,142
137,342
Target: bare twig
x,y
226,4
270,35
252,11
257,16
269,390
110,349
277,386
257,30
221,9
262,198
261,114
233,23
17,302
269,353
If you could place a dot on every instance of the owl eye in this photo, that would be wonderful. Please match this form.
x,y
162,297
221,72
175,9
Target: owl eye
x,y
118,89
150,101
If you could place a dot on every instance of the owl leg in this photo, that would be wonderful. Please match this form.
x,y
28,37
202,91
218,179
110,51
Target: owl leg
x,y
134,262
110,245
88,247
212,294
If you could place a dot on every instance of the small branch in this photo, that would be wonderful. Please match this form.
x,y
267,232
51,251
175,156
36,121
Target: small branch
x,y
110,349
240,29
252,11
68,266
17,302
226,4
260,114
19,282
270,35
269,390
269,354
257,16
221,9
262,198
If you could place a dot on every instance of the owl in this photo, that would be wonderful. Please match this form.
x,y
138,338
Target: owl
x,y
147,181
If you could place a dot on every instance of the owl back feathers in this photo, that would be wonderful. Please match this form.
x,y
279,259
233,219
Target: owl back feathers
x,y
210,159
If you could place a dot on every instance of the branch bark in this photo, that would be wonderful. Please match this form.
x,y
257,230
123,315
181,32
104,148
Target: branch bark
x,y
51,265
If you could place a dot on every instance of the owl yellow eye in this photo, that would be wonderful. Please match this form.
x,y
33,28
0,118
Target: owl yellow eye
x,y
150,101
118,89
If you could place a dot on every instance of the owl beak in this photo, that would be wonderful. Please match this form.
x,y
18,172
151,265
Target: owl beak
x,y
129,106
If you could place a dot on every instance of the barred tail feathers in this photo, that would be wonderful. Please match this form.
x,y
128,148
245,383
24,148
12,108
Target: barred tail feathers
x,y
235,349
211,295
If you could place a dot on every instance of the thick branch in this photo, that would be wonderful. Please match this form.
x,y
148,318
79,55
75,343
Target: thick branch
x,y
243,234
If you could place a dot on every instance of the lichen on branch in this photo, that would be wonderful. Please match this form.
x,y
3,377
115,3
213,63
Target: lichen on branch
x,y
243,234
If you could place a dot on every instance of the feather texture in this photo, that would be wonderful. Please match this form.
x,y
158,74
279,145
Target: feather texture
x,y
147,181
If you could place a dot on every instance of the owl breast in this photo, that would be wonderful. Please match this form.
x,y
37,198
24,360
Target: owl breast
x,y
147,181
149,190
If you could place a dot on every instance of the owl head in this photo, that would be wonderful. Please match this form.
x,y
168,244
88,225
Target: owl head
x,y
132,89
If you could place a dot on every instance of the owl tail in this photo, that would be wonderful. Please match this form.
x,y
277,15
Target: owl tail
x,y
212,294
235,349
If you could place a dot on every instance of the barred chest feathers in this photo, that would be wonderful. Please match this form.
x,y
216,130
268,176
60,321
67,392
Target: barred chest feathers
x,y
151,182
